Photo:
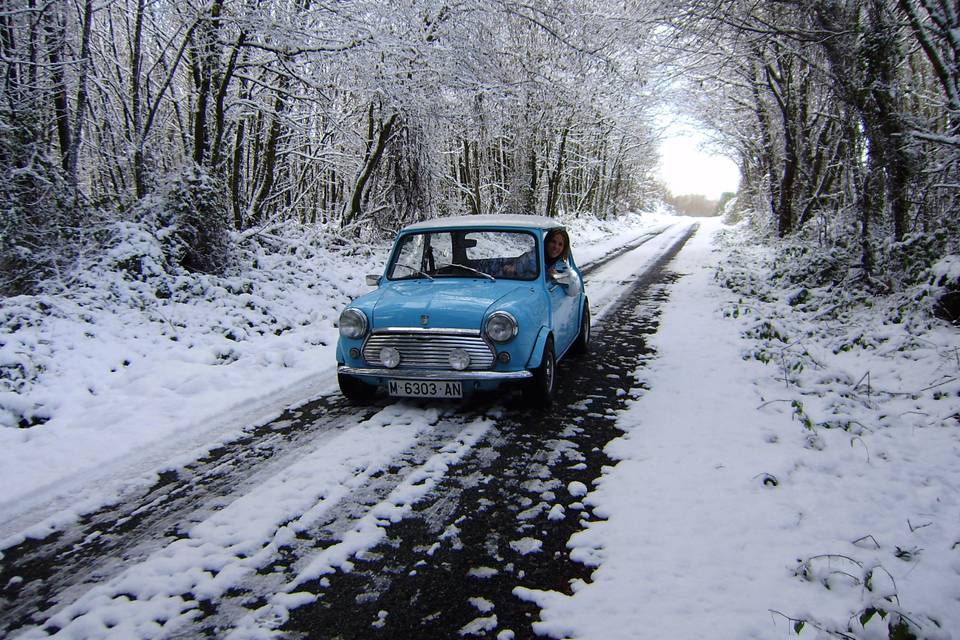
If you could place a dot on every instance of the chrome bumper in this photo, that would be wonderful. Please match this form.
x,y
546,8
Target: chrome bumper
x,y
435,374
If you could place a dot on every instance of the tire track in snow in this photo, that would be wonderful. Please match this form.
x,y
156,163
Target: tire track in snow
x,y
38,577
642,239
246,540
37,574
497,521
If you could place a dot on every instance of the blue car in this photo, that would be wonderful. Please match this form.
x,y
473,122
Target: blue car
x,y
465,304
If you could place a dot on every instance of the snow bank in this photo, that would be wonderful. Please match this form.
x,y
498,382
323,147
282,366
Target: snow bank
x,y
790,470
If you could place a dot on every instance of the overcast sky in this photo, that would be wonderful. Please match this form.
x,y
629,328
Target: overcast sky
x,y
687,169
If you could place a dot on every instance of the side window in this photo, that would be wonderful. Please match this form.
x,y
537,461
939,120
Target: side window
x,y
503,254
499,244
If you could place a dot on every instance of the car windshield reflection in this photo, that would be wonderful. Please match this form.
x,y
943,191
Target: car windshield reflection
x,y
466,254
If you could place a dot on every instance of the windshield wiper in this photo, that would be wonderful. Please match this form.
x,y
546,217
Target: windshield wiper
x,y
415,271
471,269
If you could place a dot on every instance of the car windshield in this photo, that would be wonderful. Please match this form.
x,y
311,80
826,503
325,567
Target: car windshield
x,y
466,253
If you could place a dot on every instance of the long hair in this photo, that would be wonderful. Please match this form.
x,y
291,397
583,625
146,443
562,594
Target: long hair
x,y
565,254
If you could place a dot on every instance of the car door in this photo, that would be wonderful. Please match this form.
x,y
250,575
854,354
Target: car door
x,y
564,310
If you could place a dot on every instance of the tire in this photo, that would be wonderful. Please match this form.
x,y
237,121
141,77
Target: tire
x,y
582,343
355,390
544,380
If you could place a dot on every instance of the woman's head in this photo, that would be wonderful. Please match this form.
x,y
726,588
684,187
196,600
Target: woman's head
x,y
556,245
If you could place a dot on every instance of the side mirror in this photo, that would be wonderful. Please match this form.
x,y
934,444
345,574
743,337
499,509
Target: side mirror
x,y
373,280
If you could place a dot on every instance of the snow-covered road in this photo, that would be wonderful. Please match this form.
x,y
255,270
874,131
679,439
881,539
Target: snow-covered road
x,y
727,463
162,581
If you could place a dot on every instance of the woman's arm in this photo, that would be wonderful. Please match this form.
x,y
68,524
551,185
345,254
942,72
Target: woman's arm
x,y
572,284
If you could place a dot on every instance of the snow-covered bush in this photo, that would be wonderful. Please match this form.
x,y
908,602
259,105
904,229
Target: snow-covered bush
x,y
731,209
134,305
24,356
909,261
945,277
133,250
187,213
38,219
909,282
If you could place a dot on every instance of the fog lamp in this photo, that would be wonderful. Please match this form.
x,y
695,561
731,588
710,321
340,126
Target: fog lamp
x,y
459,359
390,357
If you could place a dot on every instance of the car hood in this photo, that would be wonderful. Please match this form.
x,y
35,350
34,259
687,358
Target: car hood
x,y
452,303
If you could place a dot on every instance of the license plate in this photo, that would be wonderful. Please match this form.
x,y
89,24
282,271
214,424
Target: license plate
x,y
425,388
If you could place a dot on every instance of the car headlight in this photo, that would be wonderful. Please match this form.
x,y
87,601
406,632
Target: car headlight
x,y
353,323
501,326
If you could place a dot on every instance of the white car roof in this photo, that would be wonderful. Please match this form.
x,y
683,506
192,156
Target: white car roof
x,y
502,220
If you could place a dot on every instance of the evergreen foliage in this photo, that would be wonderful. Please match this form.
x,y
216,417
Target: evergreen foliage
x,y
187,213
38,216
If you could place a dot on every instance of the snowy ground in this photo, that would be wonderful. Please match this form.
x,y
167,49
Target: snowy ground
x,y
755,500
127,384
785,472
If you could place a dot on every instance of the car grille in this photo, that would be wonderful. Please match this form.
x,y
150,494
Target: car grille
x,y
429,350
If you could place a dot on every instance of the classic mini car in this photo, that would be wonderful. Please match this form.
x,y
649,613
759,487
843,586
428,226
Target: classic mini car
x,y
464,304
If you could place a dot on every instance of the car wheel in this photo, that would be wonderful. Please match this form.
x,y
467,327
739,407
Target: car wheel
x,y
544,378
356,391
582,342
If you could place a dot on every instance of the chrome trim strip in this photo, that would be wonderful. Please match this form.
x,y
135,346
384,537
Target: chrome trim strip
x,y
431,330
436,374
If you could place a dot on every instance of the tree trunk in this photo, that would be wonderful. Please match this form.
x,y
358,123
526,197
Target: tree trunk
x,y
204,60
136,133
219,110
377,138
236,176
553,181
270,155
944,56
80,110
55,35
468,175
767,156
871,93
528,198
